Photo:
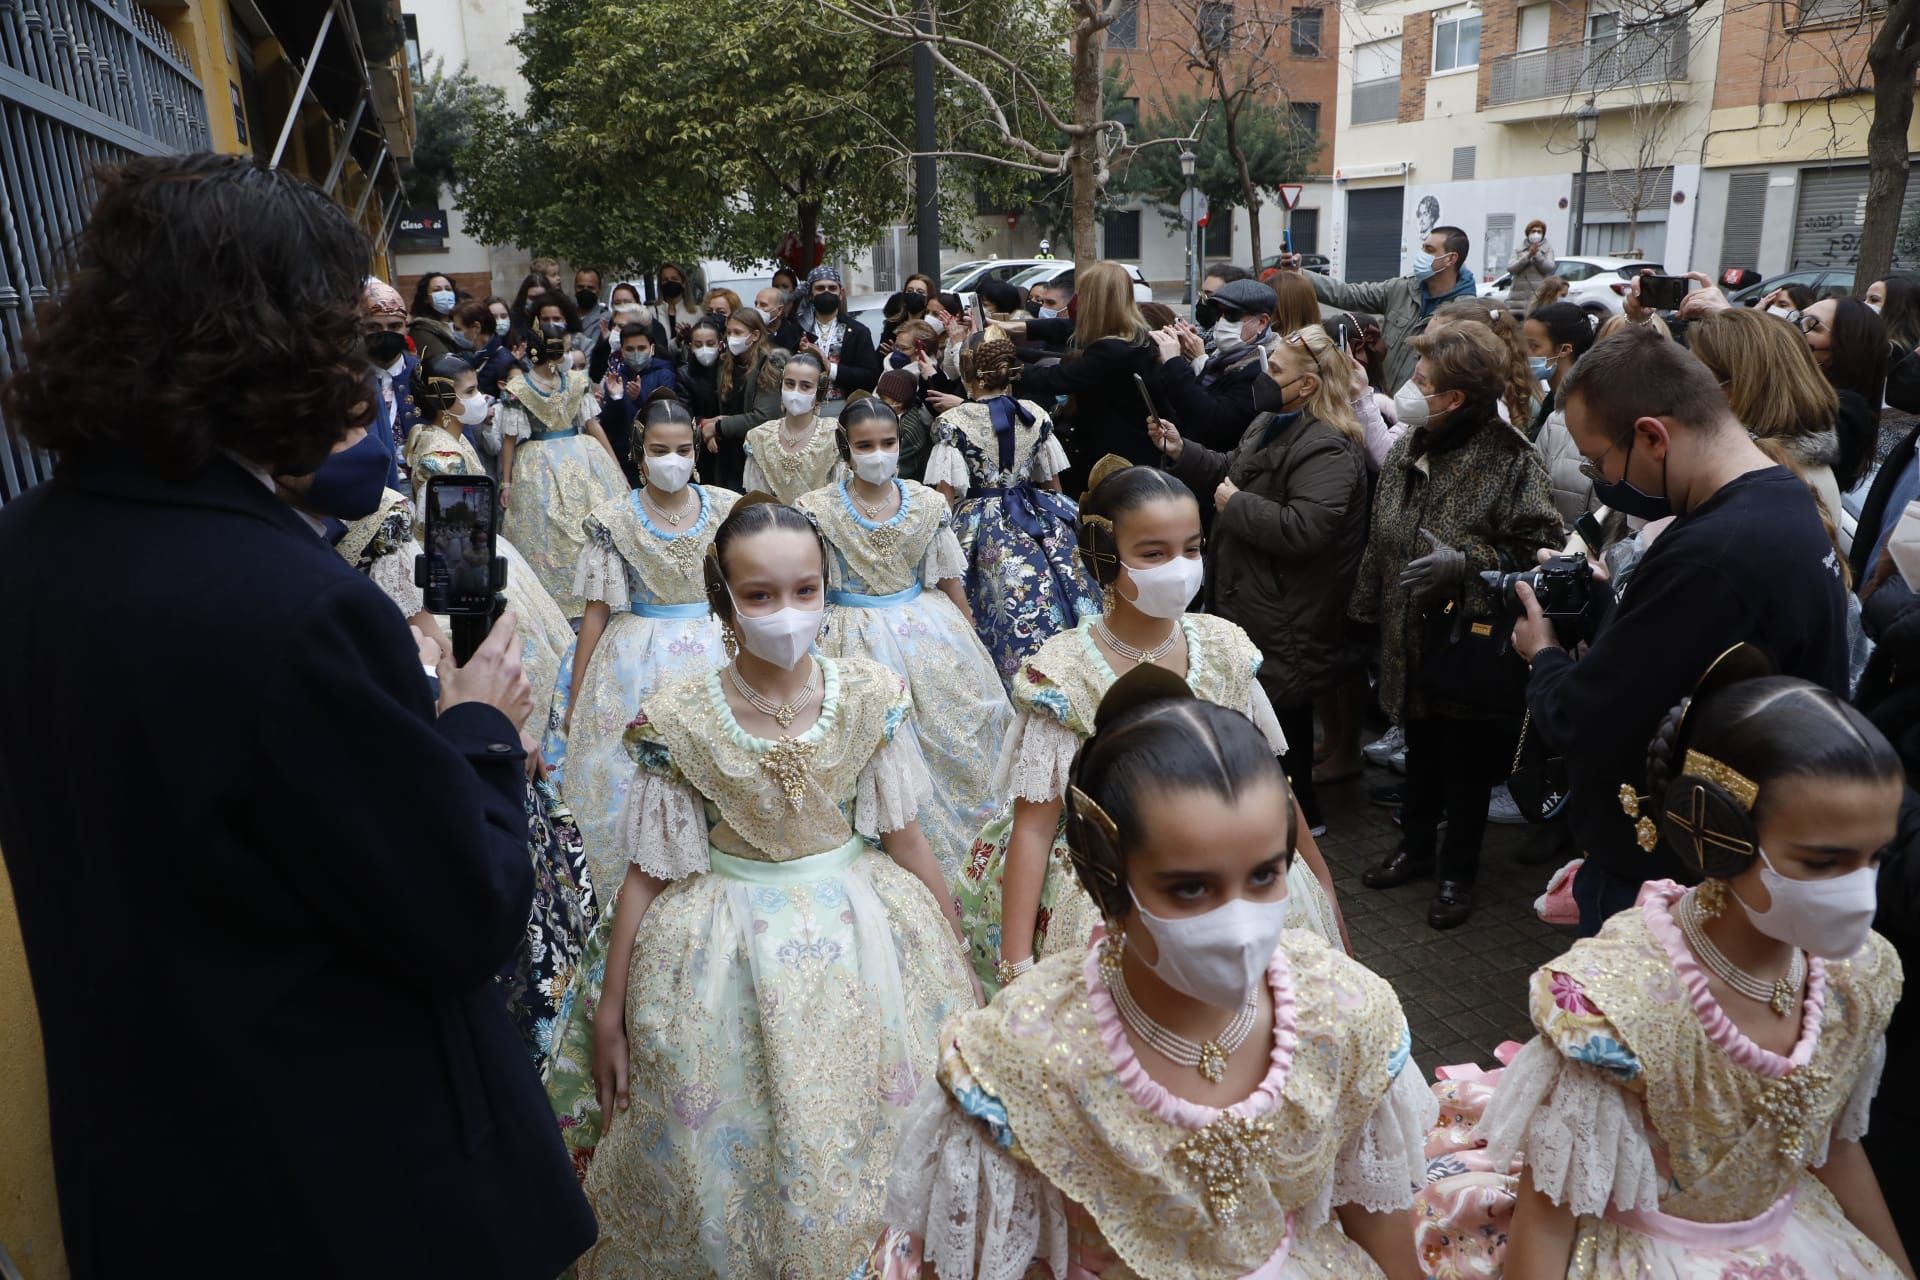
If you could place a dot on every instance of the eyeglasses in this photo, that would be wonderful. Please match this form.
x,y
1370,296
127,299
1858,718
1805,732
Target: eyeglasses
x,y
1591,470
1805,323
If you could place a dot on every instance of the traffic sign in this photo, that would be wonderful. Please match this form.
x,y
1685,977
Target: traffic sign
x,y
1193,206
1290,193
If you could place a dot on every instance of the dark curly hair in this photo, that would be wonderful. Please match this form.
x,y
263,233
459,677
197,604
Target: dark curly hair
x,y
254,348
422,304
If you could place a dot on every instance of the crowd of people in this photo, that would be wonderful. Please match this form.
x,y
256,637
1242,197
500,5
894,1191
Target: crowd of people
x,y
878,838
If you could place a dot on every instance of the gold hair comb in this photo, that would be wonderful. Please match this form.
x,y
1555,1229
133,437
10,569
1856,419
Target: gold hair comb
x,y
1730,780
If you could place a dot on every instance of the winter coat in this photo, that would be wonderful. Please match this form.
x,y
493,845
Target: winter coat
x,y
1816,453
1286,549
1532,264
1573,493
1214,406
1107,414
433,338
1404,307
1478,487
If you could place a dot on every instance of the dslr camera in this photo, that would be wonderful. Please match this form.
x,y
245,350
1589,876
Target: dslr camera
x,y
1563,586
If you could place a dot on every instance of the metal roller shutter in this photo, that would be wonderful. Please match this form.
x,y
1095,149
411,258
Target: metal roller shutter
x,y
1373,233
1746,211
1831,215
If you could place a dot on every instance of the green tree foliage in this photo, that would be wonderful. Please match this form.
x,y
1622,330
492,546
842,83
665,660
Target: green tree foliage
x,y
1277,151
445,111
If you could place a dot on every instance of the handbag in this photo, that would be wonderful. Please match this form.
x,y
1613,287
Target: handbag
x,y
1538,779
1467,661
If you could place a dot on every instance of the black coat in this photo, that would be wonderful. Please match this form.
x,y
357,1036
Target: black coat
x,y
1873,512
1215,406
859,359
1108,415
263,893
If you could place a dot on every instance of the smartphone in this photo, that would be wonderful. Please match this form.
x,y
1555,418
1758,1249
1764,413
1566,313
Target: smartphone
x,y
462,543
1146,397
1663,293
1340,332
1589,530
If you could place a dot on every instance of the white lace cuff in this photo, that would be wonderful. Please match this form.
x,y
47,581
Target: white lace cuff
x,y
978,1211
512,422
1851,1124
664,828
946,466
1580,1133
589,411
1036,758
944,559
892,787
1260,711
1049,460
1386,1159
600,574
393,574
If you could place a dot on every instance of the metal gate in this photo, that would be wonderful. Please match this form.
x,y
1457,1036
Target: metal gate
x,y
83,83
1832,215
1746,213
1373,234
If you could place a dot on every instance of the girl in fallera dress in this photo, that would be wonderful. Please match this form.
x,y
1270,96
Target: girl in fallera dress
x,y
775,981
646,622
894,595
997,460
556,467
1203,1094
796,454
1140,532
1693,1104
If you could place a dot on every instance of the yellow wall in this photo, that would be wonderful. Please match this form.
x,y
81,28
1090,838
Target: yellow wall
x,y
201,28
29,1219
1795,132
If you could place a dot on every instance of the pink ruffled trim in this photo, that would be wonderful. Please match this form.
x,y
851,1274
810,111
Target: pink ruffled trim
x,y
1656,901
1153,1097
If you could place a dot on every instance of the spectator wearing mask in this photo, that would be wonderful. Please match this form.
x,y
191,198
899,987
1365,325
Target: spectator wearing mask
x,y
554,308
1897,302
328,913
1849,343
701,360
1556,336
430,319
629,388
1460,494
787,281
596,316
722,302
1214,406
1050,300
843,347
1110,345
625,310
393,367
1290,524
1745,559
1002,301
775,306
495,358
679,308
749,386
533,287
1405,305
1521,399
1533,262
907,305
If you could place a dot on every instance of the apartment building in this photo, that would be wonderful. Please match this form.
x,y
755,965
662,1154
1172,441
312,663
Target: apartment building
x,y
1468,115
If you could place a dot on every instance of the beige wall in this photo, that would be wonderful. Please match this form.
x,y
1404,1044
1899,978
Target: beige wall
x,y
29,1219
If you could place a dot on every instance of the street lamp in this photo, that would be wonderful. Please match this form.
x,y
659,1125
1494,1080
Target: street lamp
x,y
1187,160
1586,124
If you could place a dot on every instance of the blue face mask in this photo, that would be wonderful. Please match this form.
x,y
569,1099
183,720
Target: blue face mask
x,y
1629,499
1541,367
1048,313
349,483
1422,265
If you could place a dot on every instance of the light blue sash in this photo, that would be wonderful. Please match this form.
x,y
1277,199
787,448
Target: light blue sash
x,y
854,600
807,870
698,609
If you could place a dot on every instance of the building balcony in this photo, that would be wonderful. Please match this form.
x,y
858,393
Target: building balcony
x,y
1650,55
1375,101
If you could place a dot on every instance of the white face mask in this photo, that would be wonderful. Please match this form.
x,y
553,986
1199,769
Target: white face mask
x,y
669,471
706,355
500,325
936,324
1777,310
473,410
1874,307
1226,335
1827,918
798,404
1411,406
442,301
781,637
766,316
1218,957
1165,590
738,344
877,467
1535,237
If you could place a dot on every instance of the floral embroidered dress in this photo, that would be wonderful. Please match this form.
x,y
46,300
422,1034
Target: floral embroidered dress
x,y
661,628
886,606
788,474
381,545
1042,1128
545,636
1025,581
1054,701
561,475
1685,1147
787,988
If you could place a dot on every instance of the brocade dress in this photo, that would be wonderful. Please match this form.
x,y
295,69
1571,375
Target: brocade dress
x,y
1054,701
787,987
1025,581
788,474
885,604
1042,1131
561,475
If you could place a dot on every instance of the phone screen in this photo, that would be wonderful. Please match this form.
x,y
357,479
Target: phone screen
x,y
460,544
1663,292
1589,530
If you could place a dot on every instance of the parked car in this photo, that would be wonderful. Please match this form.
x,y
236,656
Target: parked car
x,y
1060,272
869,309
1319,262
717,273
1597,284
1826,282
966,277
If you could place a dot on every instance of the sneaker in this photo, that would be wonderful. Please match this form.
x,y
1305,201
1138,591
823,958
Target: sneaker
x,y
1317,830
1398,761
1391,796
1502,809
1392,742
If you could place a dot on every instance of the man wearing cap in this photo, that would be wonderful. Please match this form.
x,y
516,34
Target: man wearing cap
x,y
844,346
1216,405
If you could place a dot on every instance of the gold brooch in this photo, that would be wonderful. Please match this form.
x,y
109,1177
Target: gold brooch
x,y
883,537
1629,800
1646,835
1790,1104
1225,1157
786,763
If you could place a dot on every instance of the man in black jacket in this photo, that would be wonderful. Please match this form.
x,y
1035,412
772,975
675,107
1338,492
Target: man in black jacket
x,y
264,889
1217,405
1745,559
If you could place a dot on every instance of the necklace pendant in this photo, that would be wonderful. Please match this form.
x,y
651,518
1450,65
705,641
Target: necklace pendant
x,y
1782,1002
1213,1062
784,716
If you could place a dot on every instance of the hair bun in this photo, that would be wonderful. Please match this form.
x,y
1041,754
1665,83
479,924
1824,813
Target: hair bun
x,y
1145,683
1108,465
753,498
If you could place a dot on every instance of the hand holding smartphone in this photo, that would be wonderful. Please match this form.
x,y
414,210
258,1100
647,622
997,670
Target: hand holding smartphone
x,y
461,573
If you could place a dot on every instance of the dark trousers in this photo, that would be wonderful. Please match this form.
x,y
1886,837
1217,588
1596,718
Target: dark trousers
x,y
1601,895
1297,763
1451,768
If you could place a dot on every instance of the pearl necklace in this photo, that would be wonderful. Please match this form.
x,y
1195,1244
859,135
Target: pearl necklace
x,y
1778,995
1210,1058
783,713
1129,652
873,513
804,442
686,509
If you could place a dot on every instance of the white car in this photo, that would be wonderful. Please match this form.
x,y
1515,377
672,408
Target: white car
x,y
1060,272
1596,284
966,277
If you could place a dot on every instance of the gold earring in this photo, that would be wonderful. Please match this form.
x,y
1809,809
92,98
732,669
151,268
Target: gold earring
x,y
1108,598
1712,897
728,641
